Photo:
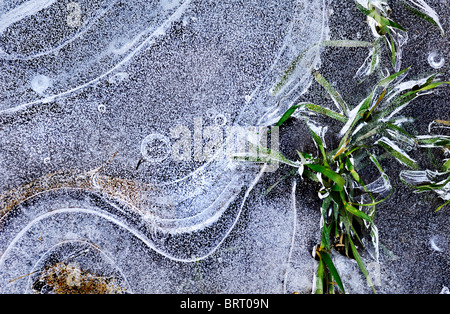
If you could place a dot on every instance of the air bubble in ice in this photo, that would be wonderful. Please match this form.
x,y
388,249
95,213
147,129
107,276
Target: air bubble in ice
x,y
436,60
120,46
155,147
101,108
439,243
118,77
40,83
220,120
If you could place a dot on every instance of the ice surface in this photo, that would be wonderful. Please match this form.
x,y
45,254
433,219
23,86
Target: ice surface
x,y
115,117
93,93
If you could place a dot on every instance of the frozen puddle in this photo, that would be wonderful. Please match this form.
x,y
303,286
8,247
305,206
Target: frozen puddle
x,y
113,119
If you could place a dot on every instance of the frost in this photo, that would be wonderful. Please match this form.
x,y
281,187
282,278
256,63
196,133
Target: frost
x,y
117,121
113,91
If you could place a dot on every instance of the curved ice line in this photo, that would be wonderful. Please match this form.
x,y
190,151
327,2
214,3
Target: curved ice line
x,y
190,174
110,260
276,60
107,217
196,225
149,41
28,8
294,230
143,238
203,219
64,43
247,193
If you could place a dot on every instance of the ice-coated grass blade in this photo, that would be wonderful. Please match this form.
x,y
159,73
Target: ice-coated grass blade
x,y
329,263
382,21
292,172
434,141
319,144
289,71
401,101
430,16
361,265
265,155
336,178
326,112
441,207
326,43
352,210
337,98
319,279
446,166
313,108
397,153
347,43
288,114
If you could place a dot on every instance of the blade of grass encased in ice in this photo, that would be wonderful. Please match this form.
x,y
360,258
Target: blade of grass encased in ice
x,y
335,96
442,206
427,17
443,122
347,43
264,155
446,166
289,113
391,44
434,141
386,81
319,144
336,178
327,259
292,172
319,279
313,108
326,112
397,153
352,210
290,70
401,101
361,265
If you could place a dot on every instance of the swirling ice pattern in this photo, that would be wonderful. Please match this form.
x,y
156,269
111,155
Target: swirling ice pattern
x,y
195,220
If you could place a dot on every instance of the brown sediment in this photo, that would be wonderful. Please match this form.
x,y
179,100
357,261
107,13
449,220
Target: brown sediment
x,y
63,278
129,191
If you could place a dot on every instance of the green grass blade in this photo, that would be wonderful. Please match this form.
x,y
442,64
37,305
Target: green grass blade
x,y
385,82
336,178
431,17
327,259
319,143
352,210
319,279
434,141
264,155
290,70
440,207
326,112
292,172
391,44
347,43
446,166
335,96
397,153
361,265
289,113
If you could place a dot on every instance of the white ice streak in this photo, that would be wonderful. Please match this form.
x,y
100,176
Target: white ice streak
x,y
149,41
22,11
422,6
